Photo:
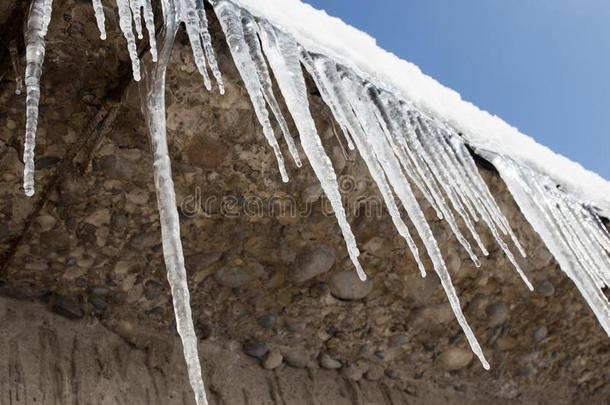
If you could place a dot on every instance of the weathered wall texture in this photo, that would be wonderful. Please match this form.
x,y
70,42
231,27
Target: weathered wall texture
x,y
47,359
277,287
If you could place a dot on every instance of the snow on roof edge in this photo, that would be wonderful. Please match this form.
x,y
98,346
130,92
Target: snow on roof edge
x,y
321,33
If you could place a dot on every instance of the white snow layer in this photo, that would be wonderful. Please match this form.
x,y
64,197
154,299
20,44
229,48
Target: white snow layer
x,y
318,32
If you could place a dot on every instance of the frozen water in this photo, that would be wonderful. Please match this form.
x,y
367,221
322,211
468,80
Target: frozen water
x,y
37,25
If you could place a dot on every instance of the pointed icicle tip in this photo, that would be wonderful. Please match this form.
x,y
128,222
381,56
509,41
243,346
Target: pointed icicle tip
x,y
361,274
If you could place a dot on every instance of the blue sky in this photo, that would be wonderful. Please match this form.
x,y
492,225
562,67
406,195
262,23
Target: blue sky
x,y
542,65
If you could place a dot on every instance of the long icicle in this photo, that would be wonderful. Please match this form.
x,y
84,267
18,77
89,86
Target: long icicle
x,y
389,131
390,110
187,13
206,39
357,96
539,205
308,62
38,23
100,18
444,178
283,55
125,23
472,193
483,193
250,34
230,20
149,21
136,11
432,172
327,80
16,67
153,102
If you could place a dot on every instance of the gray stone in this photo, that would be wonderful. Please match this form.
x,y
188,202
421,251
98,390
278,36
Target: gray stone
x,y
297,325
497,313
546,288
144,240
541,333
100,290
273,360
98,303
152,290
296,357
67,307
347,286
374,373
23,290
46,161
116,167
202,260
328,362
267,321
234,276
454,358
398,339
312,193
392,374
313,261
119,220
255,348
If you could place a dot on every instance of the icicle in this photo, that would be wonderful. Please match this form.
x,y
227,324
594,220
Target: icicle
x,y
47,7
98,9
187,13
442,171
599,231
250,29
544,207
328,82
16,68
390,110
389,131
434,171
136,7
308,62
283,55
100,17
153,102
385,155
229,17
149,21
485,209
38,22
125,24
206,39
482,191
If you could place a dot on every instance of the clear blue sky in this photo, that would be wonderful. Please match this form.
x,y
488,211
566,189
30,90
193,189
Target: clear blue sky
x,y
542,65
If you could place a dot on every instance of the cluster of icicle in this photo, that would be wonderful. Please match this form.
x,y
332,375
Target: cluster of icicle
x,y
572,232
401,146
